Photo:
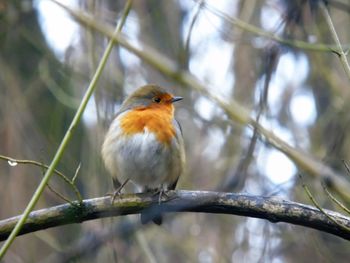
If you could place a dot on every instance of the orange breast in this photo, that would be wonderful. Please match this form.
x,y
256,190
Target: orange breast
x,y
156,119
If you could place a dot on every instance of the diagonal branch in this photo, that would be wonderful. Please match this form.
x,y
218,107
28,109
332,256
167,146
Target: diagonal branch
x,y
340,51
299,44
269,208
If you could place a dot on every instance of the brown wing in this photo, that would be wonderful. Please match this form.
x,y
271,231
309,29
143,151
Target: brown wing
x,y
180,141
116,183
173,185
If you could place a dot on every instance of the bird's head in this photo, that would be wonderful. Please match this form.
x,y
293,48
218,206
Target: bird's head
x,y
150,96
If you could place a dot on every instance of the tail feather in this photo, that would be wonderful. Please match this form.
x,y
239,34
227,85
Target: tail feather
x,y
147,217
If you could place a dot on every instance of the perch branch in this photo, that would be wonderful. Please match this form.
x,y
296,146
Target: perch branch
x,y
269,208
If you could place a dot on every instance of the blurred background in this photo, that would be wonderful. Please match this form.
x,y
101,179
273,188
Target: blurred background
x,y
47,61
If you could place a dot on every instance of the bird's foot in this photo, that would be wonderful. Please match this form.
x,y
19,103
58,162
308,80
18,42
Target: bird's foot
x,y
161,192
117,192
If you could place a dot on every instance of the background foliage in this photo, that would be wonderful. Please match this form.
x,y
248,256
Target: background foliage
x,y
40,89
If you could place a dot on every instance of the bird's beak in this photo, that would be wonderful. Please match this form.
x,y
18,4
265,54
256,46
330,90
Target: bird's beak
x,y
174,99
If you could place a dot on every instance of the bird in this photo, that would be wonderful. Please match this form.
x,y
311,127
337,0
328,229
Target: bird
x,y
144,144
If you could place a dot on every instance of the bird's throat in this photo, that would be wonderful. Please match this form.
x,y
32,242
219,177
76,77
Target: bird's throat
x,y
156,120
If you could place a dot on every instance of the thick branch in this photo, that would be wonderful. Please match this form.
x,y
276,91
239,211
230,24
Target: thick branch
x,y
270,208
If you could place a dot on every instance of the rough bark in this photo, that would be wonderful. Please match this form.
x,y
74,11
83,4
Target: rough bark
x,y
269,208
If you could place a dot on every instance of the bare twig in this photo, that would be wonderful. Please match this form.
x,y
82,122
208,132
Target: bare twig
x,y
346,167
335,200
195,17
313,200
59,195
76,173
340,51
41,165
259,32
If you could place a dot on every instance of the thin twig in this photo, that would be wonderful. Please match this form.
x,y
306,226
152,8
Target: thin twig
x,y
14,162
335,200
35,163
54,191
259,32
335,37
76,173
313,200
60,195
195,17
346,167
41,165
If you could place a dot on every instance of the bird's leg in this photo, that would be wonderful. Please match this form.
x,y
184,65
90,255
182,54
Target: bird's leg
x,y
162,192
118,190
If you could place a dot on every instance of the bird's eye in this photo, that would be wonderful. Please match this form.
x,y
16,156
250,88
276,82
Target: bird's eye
x,y
156,99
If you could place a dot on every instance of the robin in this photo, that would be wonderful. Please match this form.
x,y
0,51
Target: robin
x,y
144,143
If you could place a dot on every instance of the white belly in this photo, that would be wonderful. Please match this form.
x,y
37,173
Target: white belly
x,y
141,158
